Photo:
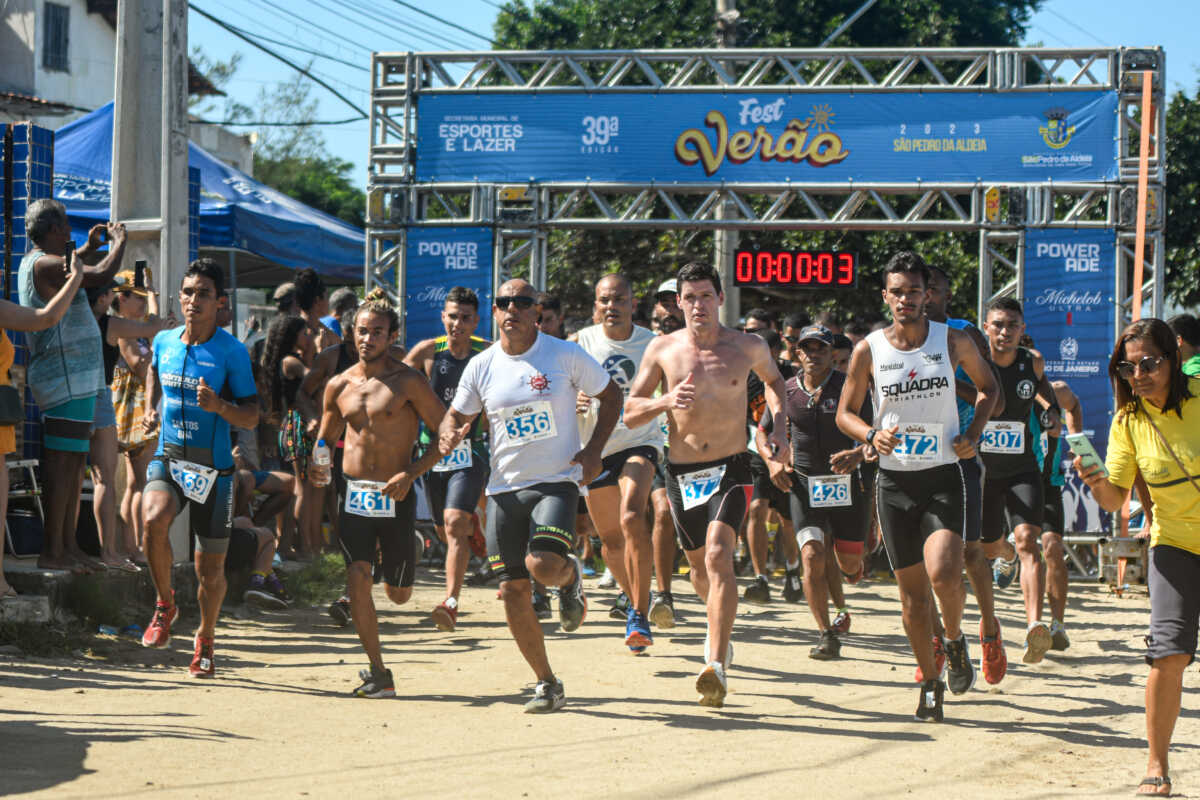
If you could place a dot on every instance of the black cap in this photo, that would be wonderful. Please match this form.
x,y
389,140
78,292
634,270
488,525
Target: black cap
x,y
817,332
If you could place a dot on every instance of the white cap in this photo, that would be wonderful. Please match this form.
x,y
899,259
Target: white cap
x,y
670,285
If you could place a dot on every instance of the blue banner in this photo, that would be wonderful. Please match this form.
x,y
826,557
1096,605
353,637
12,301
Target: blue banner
x,y
1070,279
438,259
768,137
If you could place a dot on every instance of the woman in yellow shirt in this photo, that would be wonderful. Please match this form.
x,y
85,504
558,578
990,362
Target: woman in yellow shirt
x,y
1157,432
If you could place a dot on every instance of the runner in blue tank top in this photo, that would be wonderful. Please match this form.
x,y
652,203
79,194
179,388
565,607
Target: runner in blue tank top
x,y
202,376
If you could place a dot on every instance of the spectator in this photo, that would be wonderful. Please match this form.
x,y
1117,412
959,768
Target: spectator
x,y
551,321
252,547
1187,336
667,297
1157,431
759,319
66,369
667,316
828,319
18,318
314,304
857,331
792,325
131,331
284,298
343,301
842,348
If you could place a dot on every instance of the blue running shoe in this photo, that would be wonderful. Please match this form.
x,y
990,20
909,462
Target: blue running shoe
x,y
1005,572
637,632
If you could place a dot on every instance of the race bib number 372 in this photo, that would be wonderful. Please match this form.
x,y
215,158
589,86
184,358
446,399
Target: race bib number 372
x,y
696,487
529,422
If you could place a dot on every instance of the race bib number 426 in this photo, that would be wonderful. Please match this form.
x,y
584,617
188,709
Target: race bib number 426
x,y
696,487
366,499
530,422
1003,437
920,442
828,491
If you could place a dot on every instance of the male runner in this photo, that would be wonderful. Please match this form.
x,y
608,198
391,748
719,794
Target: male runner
x,y
616,500
666,317
994,661
527,383
1054,522
377,405
203,377
705,366
456,483
920,490
827,494
1012,479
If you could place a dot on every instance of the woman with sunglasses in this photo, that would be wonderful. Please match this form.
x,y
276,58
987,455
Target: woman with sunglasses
x,y
1157,431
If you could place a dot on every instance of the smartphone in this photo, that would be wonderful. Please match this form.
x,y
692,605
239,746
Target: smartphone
x,y
139,273
70,252
1081,446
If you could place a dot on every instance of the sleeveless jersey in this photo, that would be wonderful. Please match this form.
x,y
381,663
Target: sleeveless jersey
x,y
446,373
915,390
621,360
1012,453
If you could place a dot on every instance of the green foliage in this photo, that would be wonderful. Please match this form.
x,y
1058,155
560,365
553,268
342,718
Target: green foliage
x,y
320,581
320,182
1183,198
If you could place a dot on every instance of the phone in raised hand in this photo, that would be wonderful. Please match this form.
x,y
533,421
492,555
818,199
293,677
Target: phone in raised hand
x,y
1081,446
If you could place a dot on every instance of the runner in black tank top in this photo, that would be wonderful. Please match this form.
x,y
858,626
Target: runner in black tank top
x,y
1012,479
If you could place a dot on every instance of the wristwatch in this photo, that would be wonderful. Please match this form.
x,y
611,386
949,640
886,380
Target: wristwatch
x,y
871,436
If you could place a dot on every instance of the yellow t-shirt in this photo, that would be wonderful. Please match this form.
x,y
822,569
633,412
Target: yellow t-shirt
x,y
1133,444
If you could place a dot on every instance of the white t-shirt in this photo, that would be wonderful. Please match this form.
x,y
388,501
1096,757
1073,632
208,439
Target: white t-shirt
x,y
621,359
530,404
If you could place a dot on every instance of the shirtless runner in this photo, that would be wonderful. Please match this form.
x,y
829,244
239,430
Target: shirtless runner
x,y
705,367
378,404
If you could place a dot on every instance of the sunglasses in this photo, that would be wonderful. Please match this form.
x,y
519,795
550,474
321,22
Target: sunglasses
x,y
791,339
1147,365
520,301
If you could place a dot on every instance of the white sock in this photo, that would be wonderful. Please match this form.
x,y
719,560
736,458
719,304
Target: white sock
x,y
793,565
451,603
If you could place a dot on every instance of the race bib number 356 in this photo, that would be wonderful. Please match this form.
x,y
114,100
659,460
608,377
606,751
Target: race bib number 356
x,y
1003,437
529,422
920,443
366,499
696,487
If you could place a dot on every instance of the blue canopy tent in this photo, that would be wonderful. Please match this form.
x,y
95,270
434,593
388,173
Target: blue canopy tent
x,y
263,233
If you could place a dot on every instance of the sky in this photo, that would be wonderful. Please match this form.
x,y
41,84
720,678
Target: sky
x,y
349,30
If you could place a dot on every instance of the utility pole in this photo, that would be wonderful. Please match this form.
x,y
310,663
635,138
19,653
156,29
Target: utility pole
x,y
725,241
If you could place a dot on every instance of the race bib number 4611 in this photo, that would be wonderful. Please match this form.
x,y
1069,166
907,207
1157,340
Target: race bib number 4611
x,y
529,422
920,442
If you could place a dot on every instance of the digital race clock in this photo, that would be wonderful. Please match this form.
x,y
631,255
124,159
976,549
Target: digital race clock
x,y
797,269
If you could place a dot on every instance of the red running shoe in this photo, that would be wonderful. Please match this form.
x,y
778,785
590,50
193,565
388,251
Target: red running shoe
x,y
939,660
158,632
841,623
445,617
995,661
475,541
202,659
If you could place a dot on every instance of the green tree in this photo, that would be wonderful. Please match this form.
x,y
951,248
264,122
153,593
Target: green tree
x,y
578,258
1183,198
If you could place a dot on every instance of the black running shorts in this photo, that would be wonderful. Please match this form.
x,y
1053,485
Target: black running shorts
x,y
765,489
209,522
1053,513
394,538
459,489
912,505
848,525
1174,582
1021,496
614,463
710,499
973,475
536,519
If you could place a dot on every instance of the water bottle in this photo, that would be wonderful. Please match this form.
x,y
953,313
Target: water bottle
x,y
321,457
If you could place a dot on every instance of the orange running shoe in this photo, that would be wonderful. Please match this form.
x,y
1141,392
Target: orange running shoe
x,y
158,632
939,660
202,659
445,617
995,660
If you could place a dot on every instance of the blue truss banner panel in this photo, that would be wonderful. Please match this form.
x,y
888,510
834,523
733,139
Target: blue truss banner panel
x,y
769,137
437,260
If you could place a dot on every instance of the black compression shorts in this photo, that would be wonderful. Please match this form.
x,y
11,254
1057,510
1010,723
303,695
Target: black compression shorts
x,y
614,463
765,489
717,491
459,489
1053,513
973,475
394,537
209,522
536,519
911,505
848,525
1021,496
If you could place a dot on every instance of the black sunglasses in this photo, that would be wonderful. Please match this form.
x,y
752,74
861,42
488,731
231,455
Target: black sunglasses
x,y
520,301
1147,365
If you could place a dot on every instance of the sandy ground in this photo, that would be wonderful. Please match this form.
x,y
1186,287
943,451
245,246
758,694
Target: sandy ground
x,y
276,721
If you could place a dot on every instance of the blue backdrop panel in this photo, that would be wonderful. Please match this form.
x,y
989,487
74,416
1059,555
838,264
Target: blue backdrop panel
x,y
439,259
815,138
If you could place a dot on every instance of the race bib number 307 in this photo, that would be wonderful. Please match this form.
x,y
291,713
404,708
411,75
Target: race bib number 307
x,y
529,422
1003,437
828,491
920,443
366,499
696,487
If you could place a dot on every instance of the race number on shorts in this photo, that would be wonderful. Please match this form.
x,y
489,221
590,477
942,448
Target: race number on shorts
x,y
920,443
828,491
366,499
696,487
529,422
1003,437
196,480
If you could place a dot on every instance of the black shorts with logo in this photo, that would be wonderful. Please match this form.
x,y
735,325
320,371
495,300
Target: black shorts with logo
x,y
1020,496
847,525
459,489
727,504
209,522
393,538
614,463
911,505
538,518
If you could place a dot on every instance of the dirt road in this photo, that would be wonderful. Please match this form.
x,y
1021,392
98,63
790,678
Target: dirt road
x,y
276,722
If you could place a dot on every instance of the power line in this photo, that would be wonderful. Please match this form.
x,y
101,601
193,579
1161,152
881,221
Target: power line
x,y
259,36
487,39
324,32
378,14
264,124
1082,30
270,52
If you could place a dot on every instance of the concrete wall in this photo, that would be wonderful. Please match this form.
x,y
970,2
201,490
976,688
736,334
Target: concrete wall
x,y
234,149
91,57
17,25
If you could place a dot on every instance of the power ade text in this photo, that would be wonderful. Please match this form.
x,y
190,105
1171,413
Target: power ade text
x,y
456,255
919,385
1081,257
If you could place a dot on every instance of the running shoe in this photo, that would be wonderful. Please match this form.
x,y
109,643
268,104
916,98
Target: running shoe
x,y
476,541
1005,572
939,659
445,616
728,651
607,581
960,676
482,576
158,632
637,632
1037,641
995,660
711,685
547,696
759,592
541,606
828,648
339,611
588,570
275,586
1058,635
662,610
258,595
375,684
841,623
572,603
929,704
202,659
793,586
620,609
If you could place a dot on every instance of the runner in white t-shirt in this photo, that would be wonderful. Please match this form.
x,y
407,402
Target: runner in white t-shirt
x,y
527,383
617,499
